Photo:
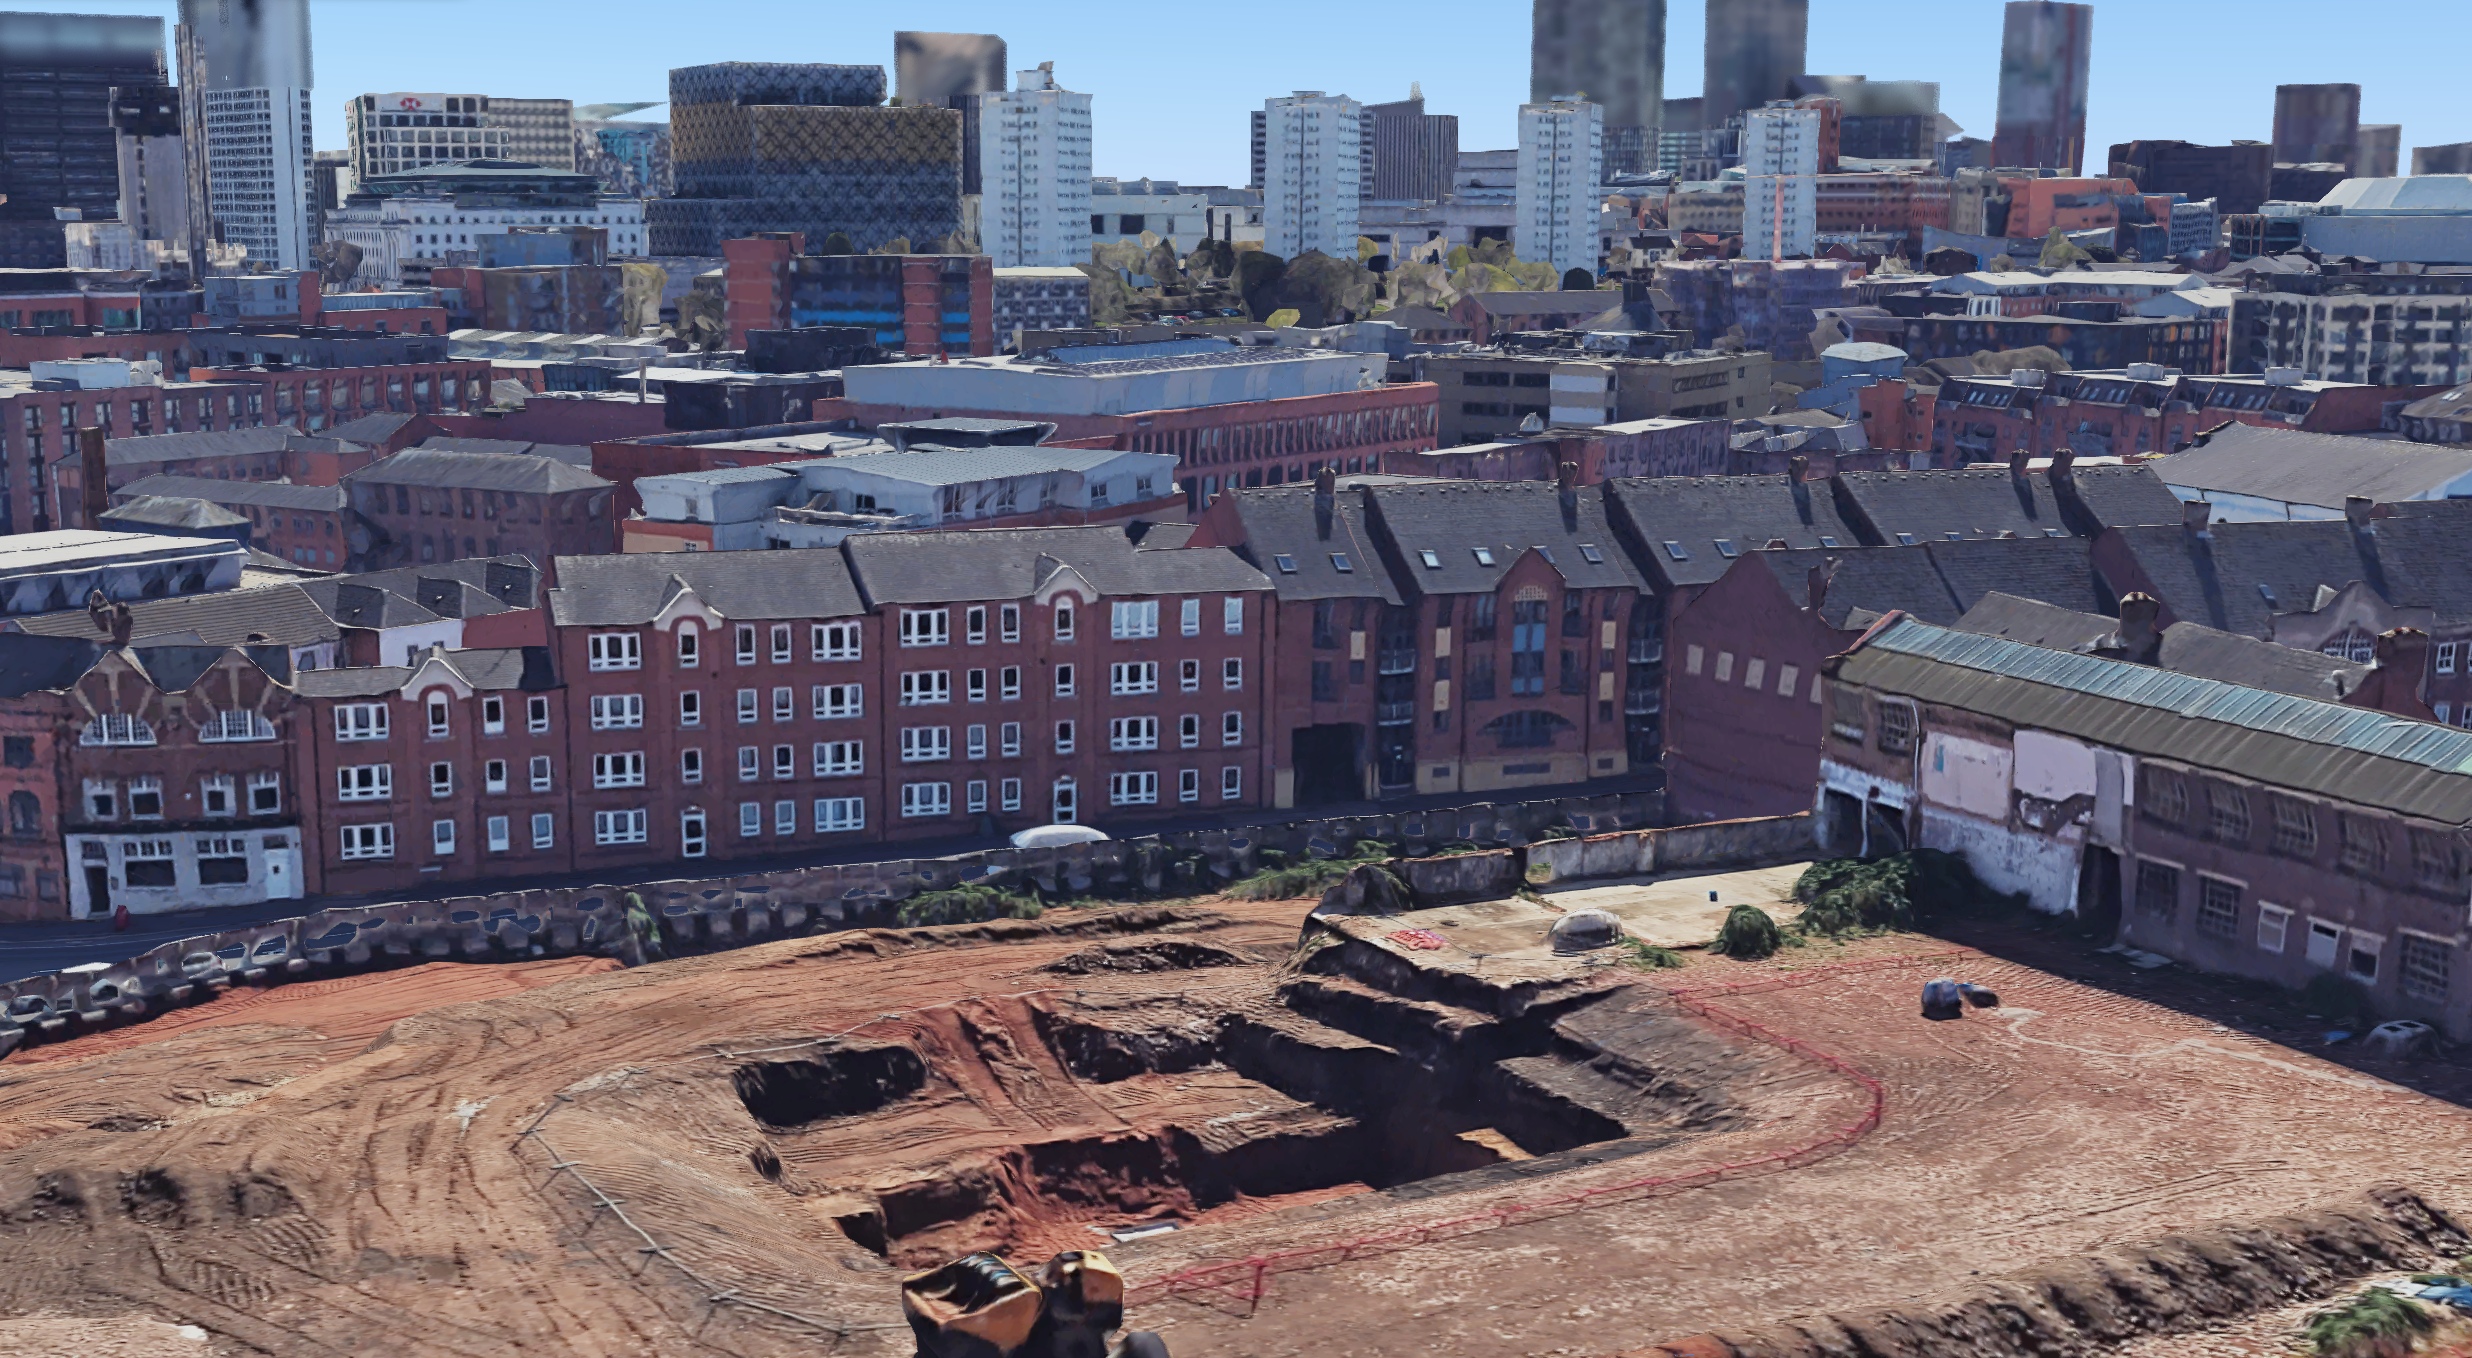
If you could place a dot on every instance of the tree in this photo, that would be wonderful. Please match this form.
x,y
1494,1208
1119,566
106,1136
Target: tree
x,y
838,243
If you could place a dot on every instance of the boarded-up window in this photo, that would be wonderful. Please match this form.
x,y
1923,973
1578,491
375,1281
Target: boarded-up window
x,y
2295,827
2162,795
2227,813
2364,843
2423,966
2435,863
2158,888
2218,907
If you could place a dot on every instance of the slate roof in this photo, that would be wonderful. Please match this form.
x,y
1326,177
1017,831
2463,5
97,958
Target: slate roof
x,y
282,615
364,681
32,664
515,584
361,607
2313,469
1282,541
572,454
1011,563
2186,647
1696,513
170,511
371,429
519,472
272,494
197,443
1871,580
630,589
2241,574
932,465
2360,755
2037,623
1507,518
1985,502
2055,570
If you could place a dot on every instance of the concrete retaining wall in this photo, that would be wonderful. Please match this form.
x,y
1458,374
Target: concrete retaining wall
x,y
725,912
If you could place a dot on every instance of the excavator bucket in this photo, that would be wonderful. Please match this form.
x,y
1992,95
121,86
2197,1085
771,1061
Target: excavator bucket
x,y
977,1306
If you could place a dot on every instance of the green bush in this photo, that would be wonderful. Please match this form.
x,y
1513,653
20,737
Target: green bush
x,y
1285,881
1748,932
2375,1324
1649,957
969,903
1843,895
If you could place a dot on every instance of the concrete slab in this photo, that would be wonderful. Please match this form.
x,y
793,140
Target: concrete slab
x,y
1675,911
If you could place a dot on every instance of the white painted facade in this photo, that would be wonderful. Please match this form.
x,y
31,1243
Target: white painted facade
x,y
1556,206
1780,193
1312,168
1034,172
392,230
257,171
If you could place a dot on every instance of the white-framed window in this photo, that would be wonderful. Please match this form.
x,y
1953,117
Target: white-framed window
x,y
1008,622
922,687
1132,789
618,770
976,791
442,838
1133,676
690,765
1008,739
839,758
1232,616
369,841
784,704
1064,681
265,794
614,651
926,626
1189,730
690,645
536,715
617,711
1129,620
836,814
834,641
748,701
215,795
1008,795
926,799
976,688
1232,728
235,725
976,742
785,761
745,637
355,721
540,773
364,782
618,827
499,838
441,779
785,818
441,717
2447,651
750,763
493,716
146,797
1188,785
1064,620
1189,616
974,625
1133,733
691,838
690,707
833,701
544,830
1231,783
1231,674
920,744
493,776
2273,922
781,643
1008,683
1189,675
1064,737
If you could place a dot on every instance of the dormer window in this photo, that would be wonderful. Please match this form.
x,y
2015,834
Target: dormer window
x,y
1285,563
1674,551
1340,563
1484,555
1727,549
1431,558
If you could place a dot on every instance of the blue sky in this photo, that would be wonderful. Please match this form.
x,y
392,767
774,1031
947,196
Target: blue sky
x,y
1173,83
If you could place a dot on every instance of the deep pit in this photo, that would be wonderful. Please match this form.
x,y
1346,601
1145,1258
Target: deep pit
x,y
1061,1115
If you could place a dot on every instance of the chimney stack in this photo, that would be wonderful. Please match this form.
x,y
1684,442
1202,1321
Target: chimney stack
x,y
2195,516
2064,466
1798,468
2017,465
2140,642
2356,511
1566,483
1325,500
1815,585
92,478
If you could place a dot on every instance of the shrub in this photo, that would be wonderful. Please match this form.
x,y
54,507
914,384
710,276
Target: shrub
x,y
969,903
1841,895
1285,881
2375,1324
1649,957
1748,932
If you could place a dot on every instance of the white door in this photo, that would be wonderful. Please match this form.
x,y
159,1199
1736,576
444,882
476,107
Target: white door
x,y
1064,801
282,875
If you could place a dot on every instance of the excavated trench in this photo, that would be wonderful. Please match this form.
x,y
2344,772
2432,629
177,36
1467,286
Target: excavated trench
x,y
1166,1107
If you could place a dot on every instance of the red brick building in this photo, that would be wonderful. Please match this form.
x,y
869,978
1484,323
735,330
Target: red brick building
x,y
428,505
302,523
1896,202
35,727
915,304
2140,410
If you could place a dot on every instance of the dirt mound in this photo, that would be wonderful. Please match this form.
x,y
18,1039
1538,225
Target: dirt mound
x,y
2178,1283
1157,955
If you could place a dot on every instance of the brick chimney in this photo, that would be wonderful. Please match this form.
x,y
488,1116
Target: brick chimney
x,y
2196,517
93,473
2394,681
2141,643
1566,485
1325,500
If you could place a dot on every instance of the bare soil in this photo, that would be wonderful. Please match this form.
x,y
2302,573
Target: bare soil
x,y
562,1163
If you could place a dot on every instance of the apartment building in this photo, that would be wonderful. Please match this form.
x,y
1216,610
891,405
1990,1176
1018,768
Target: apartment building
x,y
1487,396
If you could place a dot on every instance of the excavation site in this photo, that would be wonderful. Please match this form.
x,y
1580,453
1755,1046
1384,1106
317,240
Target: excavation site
x,y
1403,1124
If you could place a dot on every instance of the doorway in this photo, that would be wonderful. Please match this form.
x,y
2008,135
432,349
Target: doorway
x,y
98,889
1064,803
2098,893
1328,766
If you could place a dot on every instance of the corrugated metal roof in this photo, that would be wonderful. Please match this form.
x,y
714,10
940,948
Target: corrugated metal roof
x,y
928,465
2361,755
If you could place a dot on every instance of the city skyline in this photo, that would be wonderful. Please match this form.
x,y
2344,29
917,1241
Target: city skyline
x,y
371,46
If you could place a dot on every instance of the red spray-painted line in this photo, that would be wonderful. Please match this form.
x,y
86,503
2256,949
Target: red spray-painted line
x,y
1248,1279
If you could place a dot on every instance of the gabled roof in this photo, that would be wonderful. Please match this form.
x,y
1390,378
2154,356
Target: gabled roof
x,y
1866,580
522,473
2184,647
280,615
1456,519
2037,623
32,664
2360,755
1986,502
630,589
572,454
1011,563
931,465
371,429
171,511
2313,469
1284,541
197,443
1695,514
272,494
2055,570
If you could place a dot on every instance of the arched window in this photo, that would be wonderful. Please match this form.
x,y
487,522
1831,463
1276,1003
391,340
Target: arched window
x,y
117,728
